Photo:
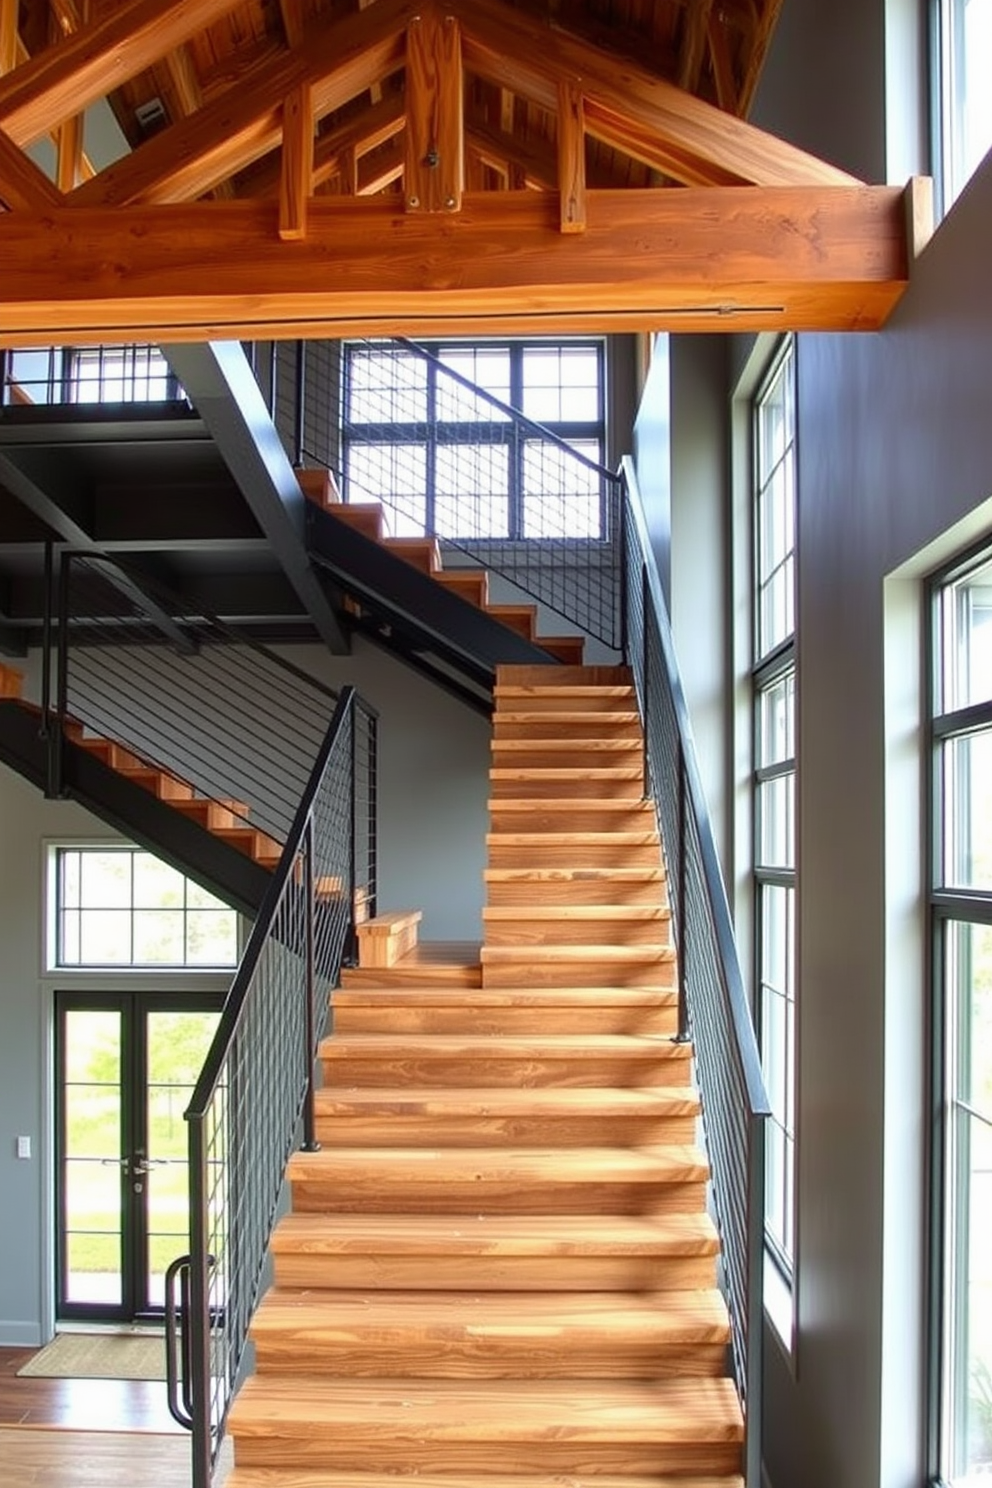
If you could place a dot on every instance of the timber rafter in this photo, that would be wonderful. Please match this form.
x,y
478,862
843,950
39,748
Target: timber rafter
x,y
522,173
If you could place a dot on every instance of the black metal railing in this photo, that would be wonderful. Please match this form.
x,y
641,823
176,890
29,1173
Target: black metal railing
x,y
253,1102
713,1005
152,672
448,459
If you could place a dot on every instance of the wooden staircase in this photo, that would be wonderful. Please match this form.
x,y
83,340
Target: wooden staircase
x,y
471,584
499,1270
225,819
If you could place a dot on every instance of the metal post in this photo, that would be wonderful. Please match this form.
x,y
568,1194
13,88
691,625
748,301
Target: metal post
x,y
352,951
310,1143
623,556
682,936
46,646
373,843
301,372
198,1322
62,704
645,686
755,1301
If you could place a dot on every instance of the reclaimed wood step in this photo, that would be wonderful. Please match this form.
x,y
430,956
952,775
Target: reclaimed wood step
x,y
265,1477
511,1180
320,486
384,939
569,813
503,1011
549,699
535,1117
576,885
625,782
605,1426
430,963
545,1252
501,1335
374,1060
365,517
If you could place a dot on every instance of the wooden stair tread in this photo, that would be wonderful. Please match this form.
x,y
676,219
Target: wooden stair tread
x,y
677,1162
573,839
595,873
503,1046
563,715
634,912
537,744
572,804
501,997
452,1101
492,1411
275,1477
305,1319
569,951
495,1234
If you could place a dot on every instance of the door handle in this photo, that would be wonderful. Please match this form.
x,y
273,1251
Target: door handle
x,y
145,1164
116,1162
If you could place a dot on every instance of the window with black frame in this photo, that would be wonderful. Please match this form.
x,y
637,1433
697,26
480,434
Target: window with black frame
x,y
961,614
432,438
774,797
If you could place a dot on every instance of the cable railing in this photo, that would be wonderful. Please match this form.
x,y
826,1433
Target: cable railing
x,y
713,1007
182,690
448,459
253,1102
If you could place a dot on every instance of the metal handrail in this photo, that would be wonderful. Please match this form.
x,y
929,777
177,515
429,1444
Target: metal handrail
x,y
294,935
713,1004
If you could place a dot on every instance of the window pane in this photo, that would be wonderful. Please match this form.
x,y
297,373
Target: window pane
x,y
776,815
472,491
965,615
105,879
561,384
396,475
488,367
105,937
212,938
776,908
967,800
156,884
777,721
775,506
966,100
386,385
561,497
159,937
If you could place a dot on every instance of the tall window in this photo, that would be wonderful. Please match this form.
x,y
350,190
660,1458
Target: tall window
x,y
774,692
962,910
448,462
963,33
119,906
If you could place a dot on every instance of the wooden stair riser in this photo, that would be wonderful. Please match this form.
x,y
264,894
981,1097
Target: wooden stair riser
x,y
521,619
506,888
566,649
410,974
365,517
593,785
541,850
216,816
410,1131
374,1195
570,815
441,1335
371,1062
566,754
510,966
317,1442
471,585
613,723
423,553
526,933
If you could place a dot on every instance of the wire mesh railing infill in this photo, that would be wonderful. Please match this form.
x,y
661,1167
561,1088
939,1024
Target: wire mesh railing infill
x,y
713,1007
184,691
448,459
253,1102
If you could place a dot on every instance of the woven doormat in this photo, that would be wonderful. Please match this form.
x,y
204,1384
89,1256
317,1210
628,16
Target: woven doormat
x,y
100,1356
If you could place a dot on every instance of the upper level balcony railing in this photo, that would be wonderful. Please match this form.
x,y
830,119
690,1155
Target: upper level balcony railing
x,y
56,375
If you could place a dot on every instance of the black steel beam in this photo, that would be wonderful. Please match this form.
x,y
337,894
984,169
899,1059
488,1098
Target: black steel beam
x,y
135,812
443,622
220,382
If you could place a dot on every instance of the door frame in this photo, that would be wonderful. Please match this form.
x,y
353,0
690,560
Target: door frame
x,y
133,1003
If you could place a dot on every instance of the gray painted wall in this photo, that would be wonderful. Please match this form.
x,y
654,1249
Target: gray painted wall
x,y
433,787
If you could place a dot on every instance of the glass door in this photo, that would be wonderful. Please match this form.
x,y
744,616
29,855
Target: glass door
x,y
127,1063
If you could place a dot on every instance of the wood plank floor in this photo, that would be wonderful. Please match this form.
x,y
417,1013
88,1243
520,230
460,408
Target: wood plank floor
x,y
70,1433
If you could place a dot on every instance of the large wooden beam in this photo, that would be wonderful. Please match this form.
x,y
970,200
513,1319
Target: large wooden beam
x,y
517,52
24,185
435,150
64,79
809,258
245,123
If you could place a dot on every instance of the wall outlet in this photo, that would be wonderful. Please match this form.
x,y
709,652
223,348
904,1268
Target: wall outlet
x,y
24,1146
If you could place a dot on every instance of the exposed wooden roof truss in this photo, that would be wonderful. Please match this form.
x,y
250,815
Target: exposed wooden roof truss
x,y
319,166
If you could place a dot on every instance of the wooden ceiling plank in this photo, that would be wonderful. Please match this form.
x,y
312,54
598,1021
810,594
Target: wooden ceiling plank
x,y
297,163
723,68
758,50
811,258
242,125
69,153
571,158
515,51
65,79
695,25
8,36
435,148
24,185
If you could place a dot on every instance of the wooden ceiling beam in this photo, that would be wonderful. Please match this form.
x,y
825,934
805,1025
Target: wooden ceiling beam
x,y
24,185
692,54
571,159
65,79
517,52
8,36
739,259
723,69
760,41
292,13
376,172
661,154
240,126
297,163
